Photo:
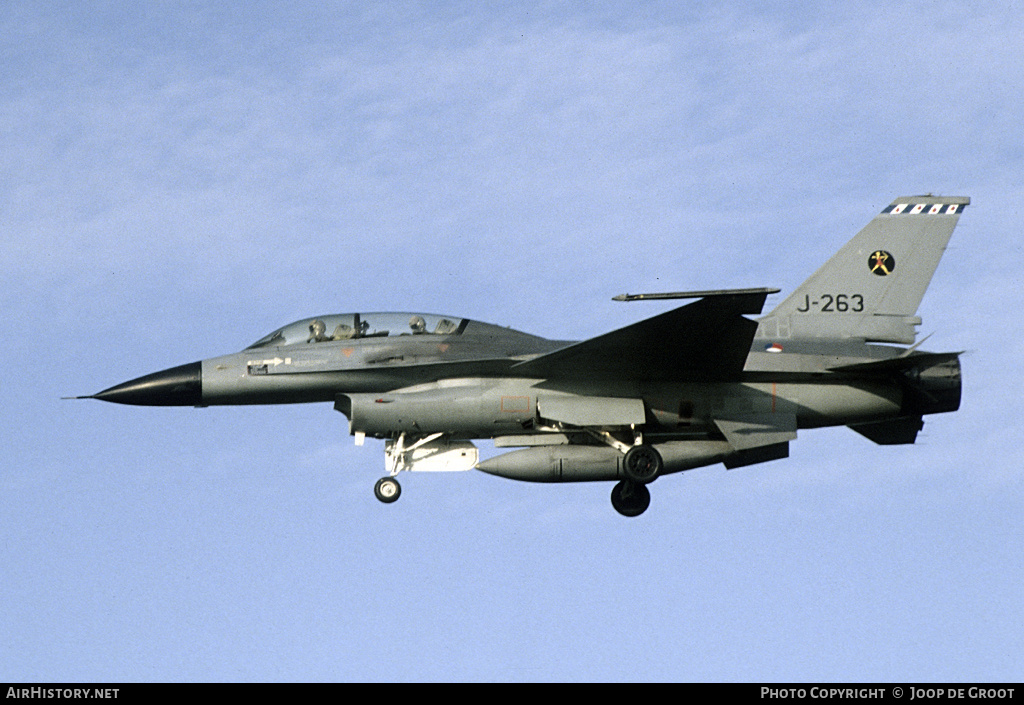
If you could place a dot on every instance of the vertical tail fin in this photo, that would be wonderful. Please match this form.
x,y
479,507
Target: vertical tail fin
x,y
872,287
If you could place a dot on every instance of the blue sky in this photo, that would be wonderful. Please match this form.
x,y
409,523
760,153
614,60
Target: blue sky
x,y
178,179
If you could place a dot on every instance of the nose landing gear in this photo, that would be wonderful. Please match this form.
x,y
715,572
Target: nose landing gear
x,y
435,452
387,490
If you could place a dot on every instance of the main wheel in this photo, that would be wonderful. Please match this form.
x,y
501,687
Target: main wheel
x,y
387,490
630,499
642,464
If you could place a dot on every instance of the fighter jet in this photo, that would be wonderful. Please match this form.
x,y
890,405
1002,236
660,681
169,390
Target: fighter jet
x,y
698,385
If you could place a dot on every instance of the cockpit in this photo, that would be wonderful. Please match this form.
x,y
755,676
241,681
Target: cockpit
x,y
351,326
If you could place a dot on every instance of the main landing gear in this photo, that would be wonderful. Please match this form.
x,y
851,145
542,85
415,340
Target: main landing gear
x,y
630,499
642,464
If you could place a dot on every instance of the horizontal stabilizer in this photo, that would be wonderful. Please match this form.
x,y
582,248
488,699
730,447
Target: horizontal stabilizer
x,y
897,364
893,432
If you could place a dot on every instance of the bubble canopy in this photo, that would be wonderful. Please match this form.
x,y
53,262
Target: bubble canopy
x,y
352,326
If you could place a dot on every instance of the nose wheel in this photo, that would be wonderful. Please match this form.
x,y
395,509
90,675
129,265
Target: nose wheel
x,y
387,490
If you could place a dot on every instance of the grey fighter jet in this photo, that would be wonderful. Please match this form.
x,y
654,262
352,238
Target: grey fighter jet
x,y
699,385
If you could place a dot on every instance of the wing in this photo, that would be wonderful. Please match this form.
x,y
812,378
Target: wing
x,y
705,340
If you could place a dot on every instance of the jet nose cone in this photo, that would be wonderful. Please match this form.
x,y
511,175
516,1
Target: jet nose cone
x,y
178,386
